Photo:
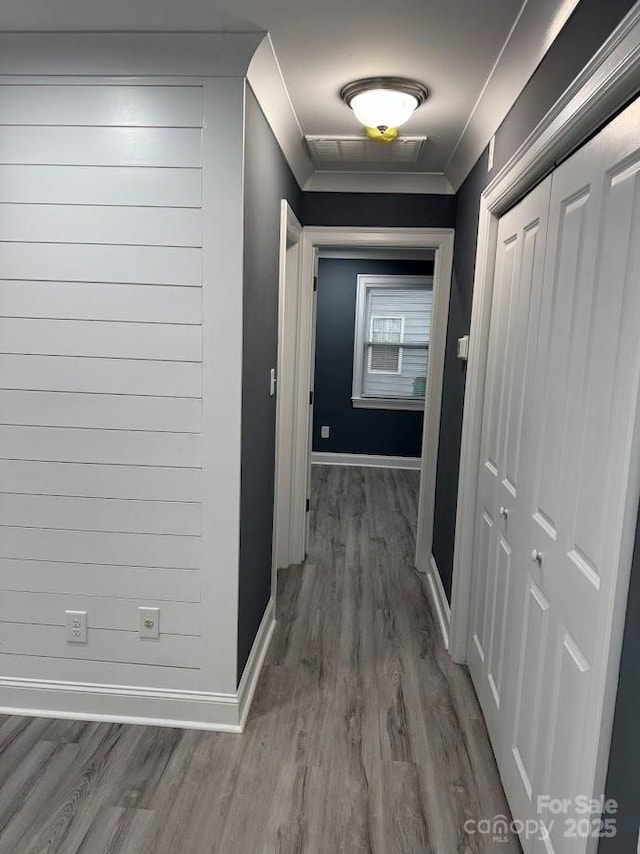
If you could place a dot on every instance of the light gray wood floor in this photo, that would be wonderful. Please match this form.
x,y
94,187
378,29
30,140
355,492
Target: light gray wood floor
x,y
363,736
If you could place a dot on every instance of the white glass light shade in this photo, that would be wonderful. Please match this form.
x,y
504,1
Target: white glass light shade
x,y
383,108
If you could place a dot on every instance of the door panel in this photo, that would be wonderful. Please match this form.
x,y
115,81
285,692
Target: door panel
x,y
520,357
502,576
567,298
564,735
587,532
514,318
484,538
559,329
499,375
529,686
575,481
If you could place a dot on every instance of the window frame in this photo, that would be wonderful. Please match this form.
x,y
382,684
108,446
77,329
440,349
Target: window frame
x,y
365,282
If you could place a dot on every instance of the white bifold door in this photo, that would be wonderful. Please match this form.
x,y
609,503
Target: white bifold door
x,y
559,480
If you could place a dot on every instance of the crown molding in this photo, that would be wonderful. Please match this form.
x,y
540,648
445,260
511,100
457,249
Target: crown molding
x,y
205,54
604,85
531,36
265,78
379,182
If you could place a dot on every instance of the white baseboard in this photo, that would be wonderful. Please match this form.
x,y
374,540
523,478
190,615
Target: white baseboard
x,y
322,458
252,669
120,704
146,706
439,601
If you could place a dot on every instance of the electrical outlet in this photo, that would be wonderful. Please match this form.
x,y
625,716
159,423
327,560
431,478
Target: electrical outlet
x,y
325,432
76,626
149,622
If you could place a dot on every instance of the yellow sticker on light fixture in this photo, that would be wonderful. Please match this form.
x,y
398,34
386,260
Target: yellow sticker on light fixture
x,y
387,135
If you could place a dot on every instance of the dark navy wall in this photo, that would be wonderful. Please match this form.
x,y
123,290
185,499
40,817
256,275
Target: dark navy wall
x,y
268,179
388,210
444,523
355,431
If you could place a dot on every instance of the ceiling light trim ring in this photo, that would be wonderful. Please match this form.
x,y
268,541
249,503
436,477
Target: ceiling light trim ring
x,y
396,84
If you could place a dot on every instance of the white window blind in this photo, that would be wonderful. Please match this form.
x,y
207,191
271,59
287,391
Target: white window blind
x,y
385,357
392,339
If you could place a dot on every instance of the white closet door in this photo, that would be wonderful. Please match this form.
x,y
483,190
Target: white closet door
x,y
580,483
514,322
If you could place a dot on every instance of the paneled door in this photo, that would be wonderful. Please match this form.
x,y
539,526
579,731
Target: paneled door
x,y
500,508
580,484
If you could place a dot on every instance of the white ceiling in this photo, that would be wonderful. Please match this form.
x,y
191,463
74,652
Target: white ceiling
x,y
450,45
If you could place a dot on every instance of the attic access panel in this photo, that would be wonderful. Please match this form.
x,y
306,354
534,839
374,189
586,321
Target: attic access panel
x,y
358,149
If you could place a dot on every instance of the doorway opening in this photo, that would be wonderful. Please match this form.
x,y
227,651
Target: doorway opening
x,y
300,259
372,334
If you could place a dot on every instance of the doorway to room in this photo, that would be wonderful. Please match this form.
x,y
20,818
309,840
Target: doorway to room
x,y
373,324
429,254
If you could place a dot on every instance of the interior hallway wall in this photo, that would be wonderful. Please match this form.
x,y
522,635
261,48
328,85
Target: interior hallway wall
x,y
267,180
381,210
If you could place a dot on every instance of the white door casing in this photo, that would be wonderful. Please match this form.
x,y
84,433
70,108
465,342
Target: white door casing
x,y
290,234
312,374
439,239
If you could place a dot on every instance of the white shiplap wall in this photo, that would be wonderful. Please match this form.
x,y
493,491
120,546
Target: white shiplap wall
x,y
101,379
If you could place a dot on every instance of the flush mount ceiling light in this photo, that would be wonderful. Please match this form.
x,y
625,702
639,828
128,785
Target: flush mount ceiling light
x,y
383,104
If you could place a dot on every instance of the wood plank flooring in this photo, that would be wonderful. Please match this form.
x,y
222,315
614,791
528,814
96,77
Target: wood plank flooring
x,y
363,737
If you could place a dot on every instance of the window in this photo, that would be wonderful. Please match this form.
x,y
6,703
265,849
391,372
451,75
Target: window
x,y
393,324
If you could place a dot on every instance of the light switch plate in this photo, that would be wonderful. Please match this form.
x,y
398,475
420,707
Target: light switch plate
x,y
272,382
492,148
149,622
463,347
